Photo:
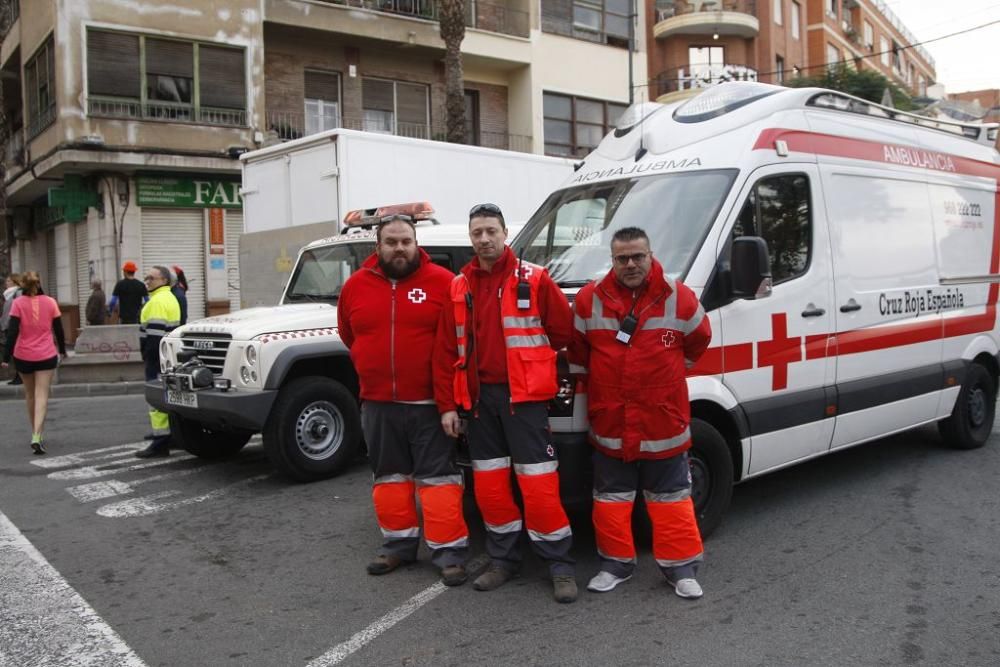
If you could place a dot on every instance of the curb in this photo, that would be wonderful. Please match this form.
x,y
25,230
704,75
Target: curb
x,y
8,392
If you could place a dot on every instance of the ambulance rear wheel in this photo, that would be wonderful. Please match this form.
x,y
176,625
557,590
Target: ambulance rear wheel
x,y
711,475
314,430
971,420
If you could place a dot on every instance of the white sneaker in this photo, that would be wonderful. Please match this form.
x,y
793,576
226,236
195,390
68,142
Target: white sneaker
x,y
687,588
605,581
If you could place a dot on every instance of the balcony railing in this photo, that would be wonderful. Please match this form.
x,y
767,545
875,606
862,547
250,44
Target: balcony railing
x,y
8,15
291,125
481,15
165,111
666,9
703,76
15,148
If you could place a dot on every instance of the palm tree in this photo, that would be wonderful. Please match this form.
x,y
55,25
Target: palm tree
x,y
451,16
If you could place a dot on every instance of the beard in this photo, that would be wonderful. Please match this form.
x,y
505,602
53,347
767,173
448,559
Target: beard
x,y
400,270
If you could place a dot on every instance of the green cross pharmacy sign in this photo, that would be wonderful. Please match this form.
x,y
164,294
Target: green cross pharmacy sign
x,y
187,191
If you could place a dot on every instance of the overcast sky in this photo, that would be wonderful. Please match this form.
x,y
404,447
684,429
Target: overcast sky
x,y
964,62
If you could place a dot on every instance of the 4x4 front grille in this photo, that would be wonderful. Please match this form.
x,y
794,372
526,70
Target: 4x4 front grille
x,y
210,348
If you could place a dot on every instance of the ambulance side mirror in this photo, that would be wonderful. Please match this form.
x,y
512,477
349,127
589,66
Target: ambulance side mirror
x,y
750,268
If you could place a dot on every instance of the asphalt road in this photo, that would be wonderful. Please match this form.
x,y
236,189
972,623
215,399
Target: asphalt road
x,y
882,554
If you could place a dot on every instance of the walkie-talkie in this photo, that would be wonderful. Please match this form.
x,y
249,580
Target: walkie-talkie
x,y
523,288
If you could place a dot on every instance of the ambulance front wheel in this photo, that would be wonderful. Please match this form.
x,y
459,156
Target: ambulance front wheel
x,y
711,475
971,420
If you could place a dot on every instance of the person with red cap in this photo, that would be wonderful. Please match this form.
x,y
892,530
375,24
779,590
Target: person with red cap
x,y
129,295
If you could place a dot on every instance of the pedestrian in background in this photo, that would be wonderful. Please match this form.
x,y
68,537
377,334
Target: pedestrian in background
x,y
97,309
637,331
160,316
34,319
495,359
128,296
179,290
409,452
12,290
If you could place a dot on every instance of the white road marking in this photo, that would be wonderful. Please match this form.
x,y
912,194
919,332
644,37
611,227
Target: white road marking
x,y
93,472
151,504
341,652
66,460
43,620
86,493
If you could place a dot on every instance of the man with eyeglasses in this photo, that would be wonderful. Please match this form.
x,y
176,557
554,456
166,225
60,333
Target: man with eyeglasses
x,y
496,361
387,315
637,330
160,315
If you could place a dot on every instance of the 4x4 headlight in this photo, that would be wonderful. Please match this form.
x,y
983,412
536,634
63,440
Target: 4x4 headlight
x,y
250,352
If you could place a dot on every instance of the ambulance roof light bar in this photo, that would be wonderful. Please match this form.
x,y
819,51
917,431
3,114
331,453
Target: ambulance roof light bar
x,y
369,217
835,101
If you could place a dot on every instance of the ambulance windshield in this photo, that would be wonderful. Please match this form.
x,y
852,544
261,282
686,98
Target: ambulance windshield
x,y
322,272
571,233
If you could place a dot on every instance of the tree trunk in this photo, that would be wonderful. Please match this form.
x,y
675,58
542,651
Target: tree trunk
x,y
452,25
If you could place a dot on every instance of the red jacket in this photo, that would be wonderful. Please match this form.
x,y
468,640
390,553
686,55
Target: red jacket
x,y
390,328
637,393
489,364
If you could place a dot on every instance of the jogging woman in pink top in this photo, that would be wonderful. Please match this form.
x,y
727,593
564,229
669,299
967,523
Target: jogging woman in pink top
x,y
34,318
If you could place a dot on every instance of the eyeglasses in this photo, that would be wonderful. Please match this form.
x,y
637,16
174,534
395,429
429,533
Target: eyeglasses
x,y
386,219
490,209
637,258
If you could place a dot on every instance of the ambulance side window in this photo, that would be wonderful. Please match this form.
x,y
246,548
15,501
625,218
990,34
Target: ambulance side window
x,y
778,211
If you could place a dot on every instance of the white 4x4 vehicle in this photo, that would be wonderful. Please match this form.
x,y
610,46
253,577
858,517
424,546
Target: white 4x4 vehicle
x,y
281,371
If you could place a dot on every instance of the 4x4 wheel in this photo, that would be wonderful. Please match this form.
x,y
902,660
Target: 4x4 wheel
x,y
711,475
203,442
314,429
971,420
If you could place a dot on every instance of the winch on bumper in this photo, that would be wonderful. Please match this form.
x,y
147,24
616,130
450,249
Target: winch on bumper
x,y
215,408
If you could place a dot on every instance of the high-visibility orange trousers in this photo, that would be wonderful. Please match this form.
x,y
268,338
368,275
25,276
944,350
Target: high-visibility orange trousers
x,y
666,486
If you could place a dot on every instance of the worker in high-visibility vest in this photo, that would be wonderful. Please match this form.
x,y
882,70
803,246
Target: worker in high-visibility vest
x,y
636,332
160,315
496,360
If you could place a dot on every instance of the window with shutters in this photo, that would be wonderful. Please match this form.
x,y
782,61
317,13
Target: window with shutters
x,y
322,101
395,107
39,88
141,76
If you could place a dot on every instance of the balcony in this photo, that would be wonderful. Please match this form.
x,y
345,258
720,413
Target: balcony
x,y
287,126
673,85
480,15
106,107
9,13
735,18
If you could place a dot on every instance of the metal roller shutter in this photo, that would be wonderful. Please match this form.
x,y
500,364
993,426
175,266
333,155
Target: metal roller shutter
x,y
234,227
49,281
177,236
82,244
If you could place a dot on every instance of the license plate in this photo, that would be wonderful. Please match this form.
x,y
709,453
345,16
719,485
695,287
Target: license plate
x,y
185,399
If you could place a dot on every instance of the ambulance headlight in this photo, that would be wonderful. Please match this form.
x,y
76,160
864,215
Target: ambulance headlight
x,y
721,99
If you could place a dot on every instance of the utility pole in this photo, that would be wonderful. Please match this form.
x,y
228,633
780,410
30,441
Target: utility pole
x,y
631,52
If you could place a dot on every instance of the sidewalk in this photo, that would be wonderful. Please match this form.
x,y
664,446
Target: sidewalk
x,y
8,392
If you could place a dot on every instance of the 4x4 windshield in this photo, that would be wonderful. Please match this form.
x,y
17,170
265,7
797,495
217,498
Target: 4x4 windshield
x,y
571,233
322,272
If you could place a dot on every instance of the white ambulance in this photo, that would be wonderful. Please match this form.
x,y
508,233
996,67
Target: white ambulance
x,y
847,254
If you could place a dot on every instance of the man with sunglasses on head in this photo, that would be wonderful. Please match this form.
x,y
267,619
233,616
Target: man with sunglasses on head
x,y
496,361
387,315
637,330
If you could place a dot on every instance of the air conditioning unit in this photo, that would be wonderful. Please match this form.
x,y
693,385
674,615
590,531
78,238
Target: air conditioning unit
x,y
22,223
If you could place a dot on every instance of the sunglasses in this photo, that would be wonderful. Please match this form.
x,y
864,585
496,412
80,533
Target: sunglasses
x,y
489,209
386,219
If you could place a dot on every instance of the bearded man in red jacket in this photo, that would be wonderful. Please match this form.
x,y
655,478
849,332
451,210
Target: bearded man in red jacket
x,y
387,313
636,332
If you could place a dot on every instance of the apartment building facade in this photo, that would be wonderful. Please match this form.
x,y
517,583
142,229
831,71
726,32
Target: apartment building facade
x,y
698,43
128,118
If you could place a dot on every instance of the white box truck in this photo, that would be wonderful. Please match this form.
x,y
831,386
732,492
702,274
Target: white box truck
x,y
301,190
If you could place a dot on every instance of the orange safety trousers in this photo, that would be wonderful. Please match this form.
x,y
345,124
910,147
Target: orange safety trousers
x,y
441,500
666,487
